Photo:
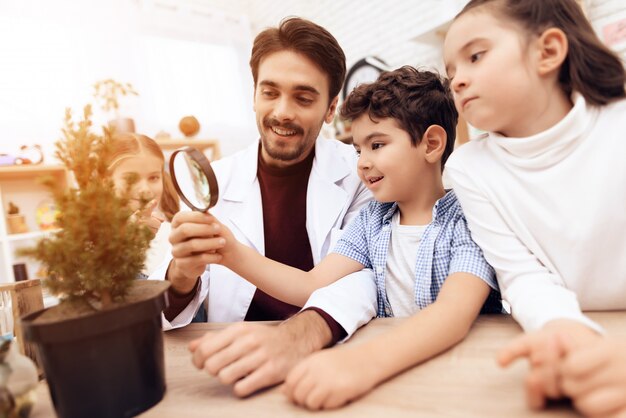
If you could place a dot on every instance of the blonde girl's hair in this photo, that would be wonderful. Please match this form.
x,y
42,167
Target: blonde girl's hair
x,y
128,145
590,68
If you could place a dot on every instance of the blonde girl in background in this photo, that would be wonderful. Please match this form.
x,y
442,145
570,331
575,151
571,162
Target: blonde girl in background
x,y
544,191
139,155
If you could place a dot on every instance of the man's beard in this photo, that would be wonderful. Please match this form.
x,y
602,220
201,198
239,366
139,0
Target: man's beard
x,y
287,153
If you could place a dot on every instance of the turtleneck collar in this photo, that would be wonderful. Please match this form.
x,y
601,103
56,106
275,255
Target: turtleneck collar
x,y
550,146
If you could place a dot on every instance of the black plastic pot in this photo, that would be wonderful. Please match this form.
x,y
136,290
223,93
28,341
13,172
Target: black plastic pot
x,y
109,364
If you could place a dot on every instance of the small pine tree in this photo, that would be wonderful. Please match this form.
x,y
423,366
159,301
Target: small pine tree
x,y
98,251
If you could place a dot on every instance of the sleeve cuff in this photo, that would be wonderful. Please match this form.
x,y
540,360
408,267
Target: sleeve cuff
x,y
534,306
179,301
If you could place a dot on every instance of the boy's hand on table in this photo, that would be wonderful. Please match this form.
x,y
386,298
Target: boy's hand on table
x,y
545,353
329,379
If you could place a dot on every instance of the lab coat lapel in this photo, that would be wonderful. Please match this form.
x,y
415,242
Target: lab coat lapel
x,y
326,200
243,203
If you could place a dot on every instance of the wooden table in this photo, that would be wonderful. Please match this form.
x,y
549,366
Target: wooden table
x,y
463,382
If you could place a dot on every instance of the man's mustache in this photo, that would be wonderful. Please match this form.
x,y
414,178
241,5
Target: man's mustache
x,y
274,123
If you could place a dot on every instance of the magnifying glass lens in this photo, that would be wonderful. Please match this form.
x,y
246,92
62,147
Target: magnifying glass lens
x,y
194,179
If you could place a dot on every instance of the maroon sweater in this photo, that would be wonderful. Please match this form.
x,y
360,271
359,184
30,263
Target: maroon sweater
x,y
283,194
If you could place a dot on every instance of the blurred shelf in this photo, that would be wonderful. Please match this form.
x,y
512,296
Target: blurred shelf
x,y
15,172
28,235
20,184
200,144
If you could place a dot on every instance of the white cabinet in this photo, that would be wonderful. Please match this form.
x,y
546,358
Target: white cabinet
x,y
20,185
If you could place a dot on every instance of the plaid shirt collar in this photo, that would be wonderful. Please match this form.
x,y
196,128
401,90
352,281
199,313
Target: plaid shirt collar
x,y
440,209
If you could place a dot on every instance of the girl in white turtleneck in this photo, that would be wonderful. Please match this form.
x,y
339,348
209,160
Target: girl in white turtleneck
x,y
544,192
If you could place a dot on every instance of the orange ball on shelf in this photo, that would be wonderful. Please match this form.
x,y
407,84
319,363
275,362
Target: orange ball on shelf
x,y
189,125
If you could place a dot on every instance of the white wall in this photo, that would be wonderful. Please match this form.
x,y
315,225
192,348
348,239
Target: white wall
x,y
386,29
45,66
181,62
399,31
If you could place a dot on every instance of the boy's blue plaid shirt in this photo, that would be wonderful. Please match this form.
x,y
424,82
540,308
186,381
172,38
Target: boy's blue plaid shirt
x,y
446,248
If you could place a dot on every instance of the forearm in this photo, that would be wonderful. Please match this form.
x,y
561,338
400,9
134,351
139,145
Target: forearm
x,y
417,339
288,284
309,330
180,283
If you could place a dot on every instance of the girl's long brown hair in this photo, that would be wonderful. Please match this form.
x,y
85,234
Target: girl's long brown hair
x,y
590,68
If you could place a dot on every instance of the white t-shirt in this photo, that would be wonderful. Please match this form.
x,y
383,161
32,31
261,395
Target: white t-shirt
x,y
400,269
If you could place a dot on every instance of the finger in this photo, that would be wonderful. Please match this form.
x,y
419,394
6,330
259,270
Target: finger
x,y
211,343
535,397
263,377
317,396
223,358
293,378
154,224
184,217
585,360
235,361
147,210
197,263
191,230
594,379
157,216
193,344
520,347
335,400
548,358
605,402
302,390
135,216
197,246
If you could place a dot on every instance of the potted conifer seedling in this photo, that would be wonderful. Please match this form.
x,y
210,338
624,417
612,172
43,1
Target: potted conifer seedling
x,y
101,348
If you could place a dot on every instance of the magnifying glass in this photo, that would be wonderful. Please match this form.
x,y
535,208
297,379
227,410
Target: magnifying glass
x,y
194,179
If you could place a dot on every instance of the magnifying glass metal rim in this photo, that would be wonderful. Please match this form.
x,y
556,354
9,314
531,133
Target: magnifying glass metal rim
x,y
206,168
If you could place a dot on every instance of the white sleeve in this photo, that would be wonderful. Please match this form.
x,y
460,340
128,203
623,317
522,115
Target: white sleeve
x,y
536,294
187,314
351,301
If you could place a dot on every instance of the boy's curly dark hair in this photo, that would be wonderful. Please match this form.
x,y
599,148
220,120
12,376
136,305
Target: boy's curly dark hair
x,y
416,99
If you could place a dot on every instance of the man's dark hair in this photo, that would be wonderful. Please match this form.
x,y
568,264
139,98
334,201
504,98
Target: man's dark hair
x,y
416,99
306,38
